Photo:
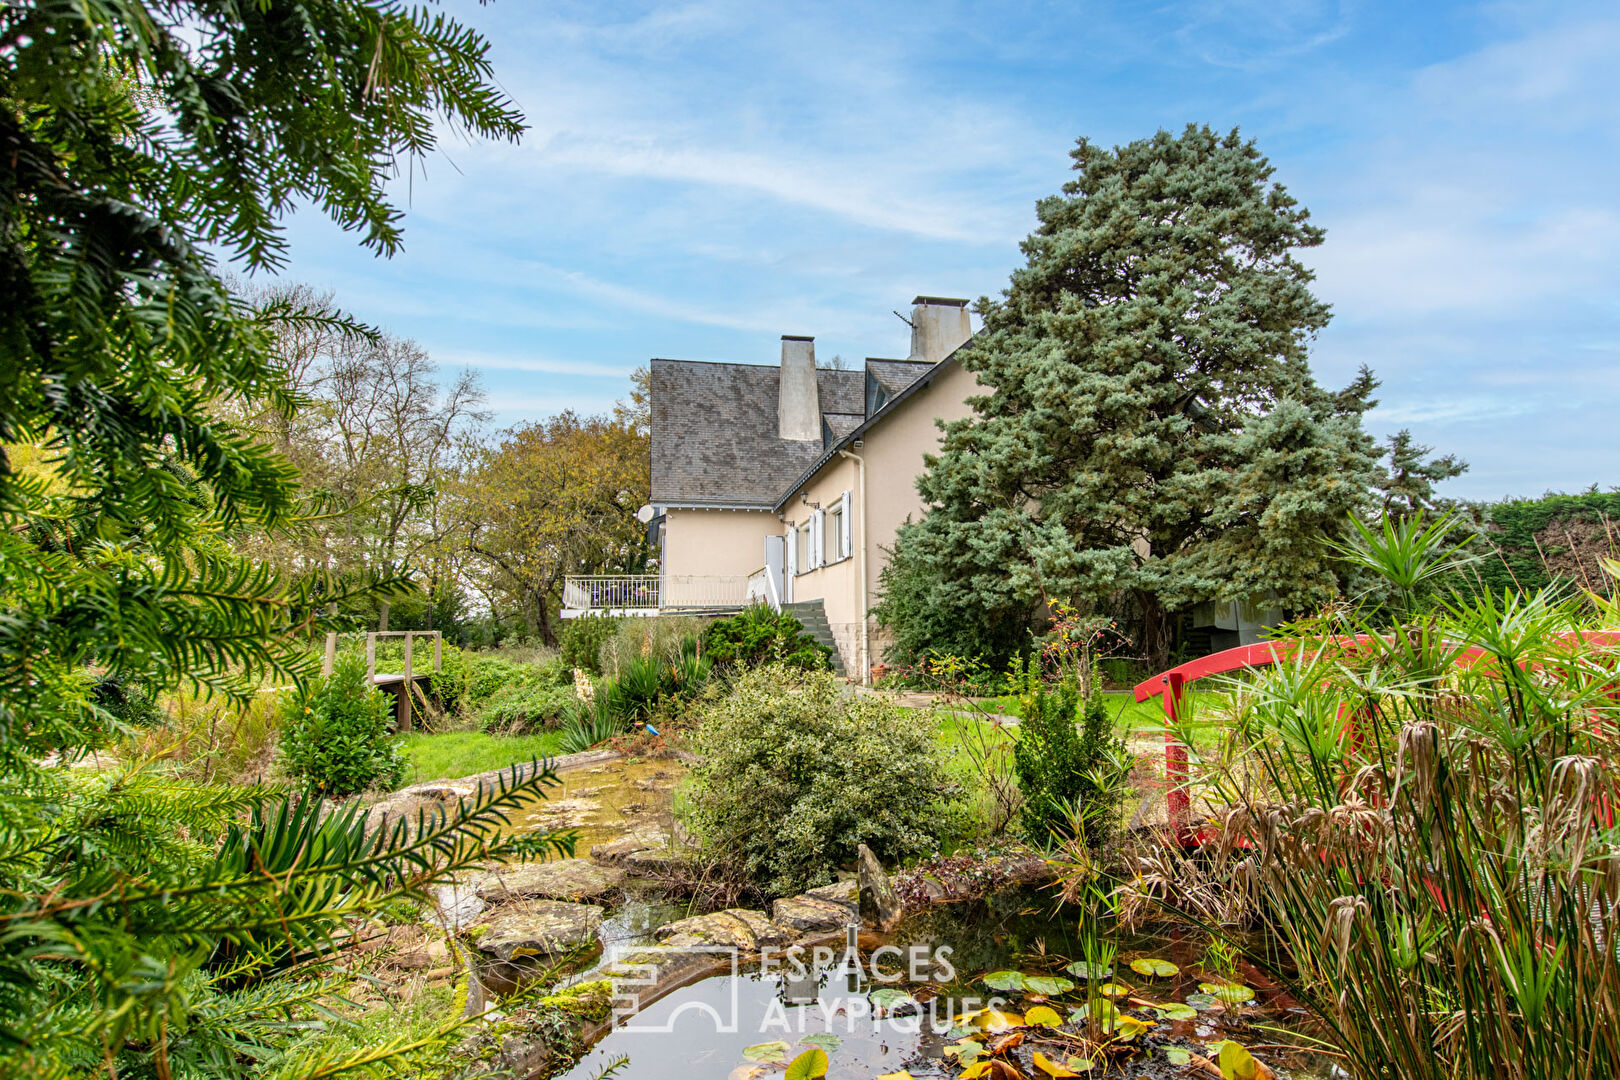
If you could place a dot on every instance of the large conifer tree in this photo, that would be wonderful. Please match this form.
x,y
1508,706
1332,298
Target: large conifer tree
x,y
1149,430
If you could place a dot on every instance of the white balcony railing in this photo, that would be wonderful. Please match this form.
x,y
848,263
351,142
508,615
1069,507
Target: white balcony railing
x,y
649,594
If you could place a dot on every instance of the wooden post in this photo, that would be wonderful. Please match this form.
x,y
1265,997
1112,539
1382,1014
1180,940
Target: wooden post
x,y
406,688
438,651
371,656
331,653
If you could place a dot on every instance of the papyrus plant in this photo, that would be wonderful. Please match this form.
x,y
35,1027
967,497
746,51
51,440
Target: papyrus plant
x,y
1426,805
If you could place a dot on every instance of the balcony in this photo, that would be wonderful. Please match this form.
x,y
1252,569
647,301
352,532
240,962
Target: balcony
x,y
648,594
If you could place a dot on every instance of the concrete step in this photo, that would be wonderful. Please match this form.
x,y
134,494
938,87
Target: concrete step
x,y
813,615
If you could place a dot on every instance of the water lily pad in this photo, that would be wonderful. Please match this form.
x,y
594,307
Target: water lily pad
x,y
1113,989
1229,992
889,999
1004,980
1203,1002
1085,969
1082,1064
1041,1016
966,1051
1047,985
1175,1010
825,1040
810,1065
1175,1055
1237,1063
769,1052
1154,968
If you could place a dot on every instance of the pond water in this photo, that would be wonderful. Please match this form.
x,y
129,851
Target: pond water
x,y
604,802
705,1028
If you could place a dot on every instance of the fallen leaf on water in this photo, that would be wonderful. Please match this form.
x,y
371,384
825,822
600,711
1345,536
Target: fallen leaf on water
x,y
1175,1055
966,1052
1003,1043
996,1020
1052,1068
824,1040
746,1072
769,1052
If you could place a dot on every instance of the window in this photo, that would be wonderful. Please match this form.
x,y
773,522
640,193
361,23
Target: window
x,y
834,542
803,549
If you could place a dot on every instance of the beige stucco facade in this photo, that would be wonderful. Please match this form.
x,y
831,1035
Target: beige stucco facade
x,y
708,553
892,451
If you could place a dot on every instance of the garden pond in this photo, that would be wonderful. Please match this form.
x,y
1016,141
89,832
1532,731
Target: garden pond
x,y
964,976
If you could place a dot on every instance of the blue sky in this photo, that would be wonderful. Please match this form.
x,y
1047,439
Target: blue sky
x,y
699,179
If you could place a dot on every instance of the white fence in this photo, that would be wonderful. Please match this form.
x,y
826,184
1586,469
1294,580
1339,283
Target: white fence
x,y
648,594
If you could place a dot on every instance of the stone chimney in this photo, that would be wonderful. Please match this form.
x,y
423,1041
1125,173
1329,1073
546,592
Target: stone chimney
x,y
938,327
798,403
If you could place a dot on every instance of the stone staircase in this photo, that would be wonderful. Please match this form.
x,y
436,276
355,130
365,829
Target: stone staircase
x,y
814,617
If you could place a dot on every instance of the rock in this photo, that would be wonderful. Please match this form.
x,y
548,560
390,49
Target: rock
x,y
843,893
615,852
515,945
737,927
807,914
562,879
879,904
544,928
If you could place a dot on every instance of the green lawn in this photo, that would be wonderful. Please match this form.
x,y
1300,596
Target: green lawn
x,y
462,753
1131,715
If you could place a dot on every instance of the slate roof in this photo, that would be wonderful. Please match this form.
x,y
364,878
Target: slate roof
x,y
714,440
885,379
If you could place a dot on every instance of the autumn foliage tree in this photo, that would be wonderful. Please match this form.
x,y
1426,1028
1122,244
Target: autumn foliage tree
x,y
553,498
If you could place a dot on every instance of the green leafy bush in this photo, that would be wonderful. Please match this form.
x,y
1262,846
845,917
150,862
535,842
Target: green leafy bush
x,y
337,733
582,639
646,684
793,775
758,635
1067,759
520,698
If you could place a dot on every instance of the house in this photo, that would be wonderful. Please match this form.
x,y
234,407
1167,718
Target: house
x,y
784,483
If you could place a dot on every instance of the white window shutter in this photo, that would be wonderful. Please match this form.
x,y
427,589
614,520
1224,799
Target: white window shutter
x,y
845,547
792,552
818,529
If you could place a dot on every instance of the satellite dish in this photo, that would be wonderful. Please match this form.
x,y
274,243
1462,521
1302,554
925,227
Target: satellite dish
x,y
645,514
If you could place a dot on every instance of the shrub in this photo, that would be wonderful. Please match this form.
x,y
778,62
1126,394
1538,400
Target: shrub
x,y
793,776
336,733
521,698
639,638
1068,772
582,639
645,684
758,636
